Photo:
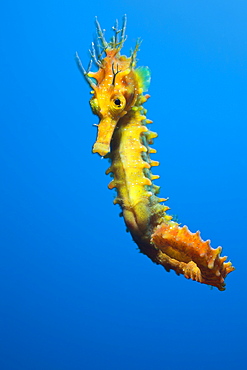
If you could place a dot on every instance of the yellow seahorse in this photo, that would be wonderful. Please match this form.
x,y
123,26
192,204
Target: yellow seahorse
x,y
124,138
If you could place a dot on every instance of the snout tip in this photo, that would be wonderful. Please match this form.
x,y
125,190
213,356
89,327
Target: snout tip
x,y
101,148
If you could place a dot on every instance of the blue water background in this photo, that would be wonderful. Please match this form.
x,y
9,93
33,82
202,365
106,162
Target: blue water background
x,y
75,291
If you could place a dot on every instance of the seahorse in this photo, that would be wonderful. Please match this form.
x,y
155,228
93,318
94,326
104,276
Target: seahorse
x,y
118,89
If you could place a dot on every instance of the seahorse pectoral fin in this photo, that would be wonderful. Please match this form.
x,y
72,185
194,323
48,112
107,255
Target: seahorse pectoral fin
x,y
143,75
105,131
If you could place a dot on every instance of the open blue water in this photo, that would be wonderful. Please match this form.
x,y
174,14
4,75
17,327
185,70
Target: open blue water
x,y
74,291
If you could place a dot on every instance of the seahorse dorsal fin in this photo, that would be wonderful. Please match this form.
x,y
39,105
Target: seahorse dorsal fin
x,y
144,77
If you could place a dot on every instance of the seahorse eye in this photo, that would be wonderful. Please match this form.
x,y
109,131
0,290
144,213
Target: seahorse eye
x,y
118,103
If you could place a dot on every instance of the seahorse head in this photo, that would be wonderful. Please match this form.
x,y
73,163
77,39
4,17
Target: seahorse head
x,y
114,94
115,86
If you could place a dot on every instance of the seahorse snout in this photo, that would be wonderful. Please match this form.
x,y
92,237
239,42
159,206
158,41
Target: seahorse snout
x,y
105,131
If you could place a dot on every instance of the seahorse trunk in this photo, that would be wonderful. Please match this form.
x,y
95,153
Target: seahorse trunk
x,y
128,165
